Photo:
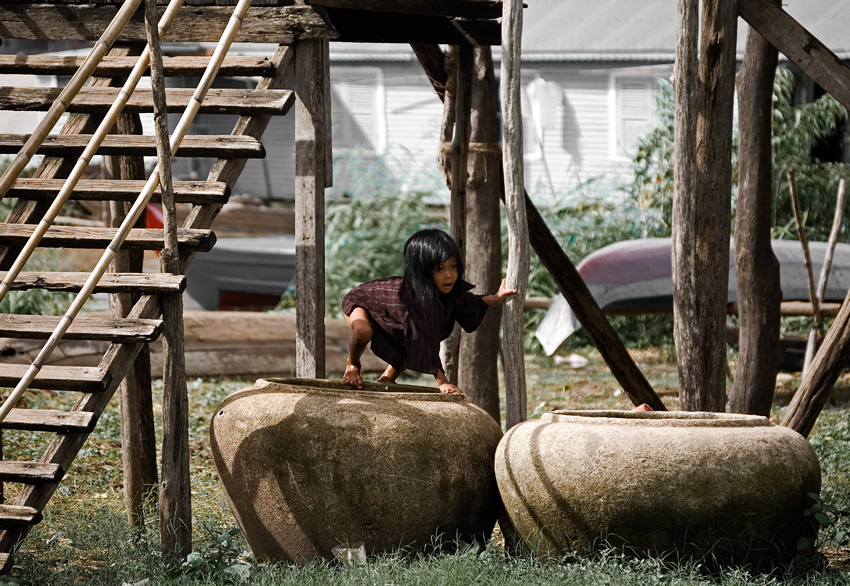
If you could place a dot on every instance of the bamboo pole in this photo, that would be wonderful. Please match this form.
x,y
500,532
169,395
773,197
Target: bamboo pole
x,y
83,161
816,331
816,334
101,47
518,247
134,213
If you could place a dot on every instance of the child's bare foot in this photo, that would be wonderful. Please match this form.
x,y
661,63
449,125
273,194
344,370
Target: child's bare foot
x,y
384,379
352,375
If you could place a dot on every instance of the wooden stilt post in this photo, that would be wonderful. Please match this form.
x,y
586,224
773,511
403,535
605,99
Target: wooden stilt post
x,y
518,248
138,436
312,88
175,496
459,152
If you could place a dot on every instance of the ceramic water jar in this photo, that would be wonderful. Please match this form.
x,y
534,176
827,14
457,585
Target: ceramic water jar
x,y
722,488
311,465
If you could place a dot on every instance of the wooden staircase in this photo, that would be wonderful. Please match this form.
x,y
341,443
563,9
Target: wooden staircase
x,y
34,482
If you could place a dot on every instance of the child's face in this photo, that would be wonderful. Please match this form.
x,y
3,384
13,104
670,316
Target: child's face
x,y
445,275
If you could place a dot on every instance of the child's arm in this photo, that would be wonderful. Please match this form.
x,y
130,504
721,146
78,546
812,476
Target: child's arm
x,y
446,386
500,296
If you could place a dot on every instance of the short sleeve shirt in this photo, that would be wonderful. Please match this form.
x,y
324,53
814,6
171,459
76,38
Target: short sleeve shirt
x,y
405,329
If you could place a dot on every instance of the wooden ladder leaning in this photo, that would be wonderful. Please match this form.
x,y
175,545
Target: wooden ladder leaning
x,y
34,482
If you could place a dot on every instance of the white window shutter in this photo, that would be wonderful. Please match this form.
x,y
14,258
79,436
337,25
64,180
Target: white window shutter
x,y
634,112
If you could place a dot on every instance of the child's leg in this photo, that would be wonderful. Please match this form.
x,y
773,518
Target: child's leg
x,y
390,374
361,334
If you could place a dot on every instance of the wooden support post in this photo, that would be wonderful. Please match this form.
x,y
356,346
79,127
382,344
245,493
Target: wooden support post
x,y
459,152
138,436
176,496
702,205
518,249
479,351
565,275
759,295
312,88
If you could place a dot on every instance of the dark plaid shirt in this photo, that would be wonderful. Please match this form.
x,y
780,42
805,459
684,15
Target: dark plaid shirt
x,y
405,329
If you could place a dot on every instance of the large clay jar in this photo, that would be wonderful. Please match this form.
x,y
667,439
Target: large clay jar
x,y
310,465
722,488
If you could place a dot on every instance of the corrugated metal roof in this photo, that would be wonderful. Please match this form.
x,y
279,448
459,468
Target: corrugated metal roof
x,y
629,30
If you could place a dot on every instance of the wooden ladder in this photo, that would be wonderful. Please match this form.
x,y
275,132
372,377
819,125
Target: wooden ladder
x,y
127,336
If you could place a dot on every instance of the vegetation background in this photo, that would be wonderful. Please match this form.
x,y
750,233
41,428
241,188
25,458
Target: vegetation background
x,y
85,538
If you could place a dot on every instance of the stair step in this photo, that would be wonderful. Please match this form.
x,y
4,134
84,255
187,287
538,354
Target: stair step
x,y
86,379
196,192
98,99
64,145
143,283
30,472
83,328
17,515
115,66
49,420
99,238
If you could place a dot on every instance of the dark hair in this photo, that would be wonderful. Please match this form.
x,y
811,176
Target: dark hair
x,y
423,252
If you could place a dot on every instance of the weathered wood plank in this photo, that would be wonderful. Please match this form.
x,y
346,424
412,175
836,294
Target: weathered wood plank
x,y
30,472
66,145
799,45
49,420
110,283
84,328
363,26
86,22
476,9
85,379
97,100
15,515
115,66
96,237
198,192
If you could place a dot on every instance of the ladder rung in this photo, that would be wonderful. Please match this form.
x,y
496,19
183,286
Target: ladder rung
x,y
114,66
86,379
49,420
100,238
30,472
143,283
97,100
83,328
16,515
222,146
197,192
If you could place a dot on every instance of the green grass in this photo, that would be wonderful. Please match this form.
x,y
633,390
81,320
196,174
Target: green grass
x,y
85,538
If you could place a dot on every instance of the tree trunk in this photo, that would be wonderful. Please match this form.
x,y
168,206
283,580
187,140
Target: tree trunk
x,y
479,375
759,293
702,205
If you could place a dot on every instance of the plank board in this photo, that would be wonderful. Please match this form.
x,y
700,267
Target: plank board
x,y
86,379
86,22
97,100
84,328
30,472
109,283
115,66
100,238
116,190
14,515
49,420
64,145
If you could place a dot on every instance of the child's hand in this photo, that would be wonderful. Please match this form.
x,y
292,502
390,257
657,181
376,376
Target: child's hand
x,y
450,389
500,296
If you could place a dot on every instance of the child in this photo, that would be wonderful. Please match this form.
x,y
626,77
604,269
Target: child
x,y
407,317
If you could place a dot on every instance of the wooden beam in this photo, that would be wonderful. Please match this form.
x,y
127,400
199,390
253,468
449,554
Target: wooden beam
x,y
313,90
111,66
110,283
100,238
799,45
91,100
199,192
83,328
86,22
63,145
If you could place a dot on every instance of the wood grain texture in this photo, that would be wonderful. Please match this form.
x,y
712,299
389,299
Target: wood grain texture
x,y
50,420
94,237
111,66
83,328
110,283
198,192
66,145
